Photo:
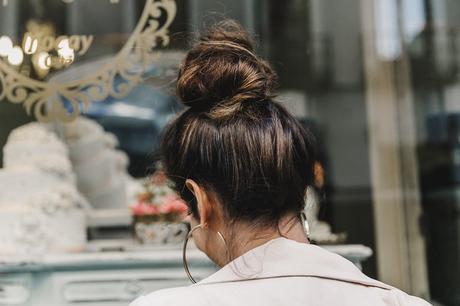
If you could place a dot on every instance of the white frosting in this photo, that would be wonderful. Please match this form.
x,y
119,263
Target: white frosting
x,y
34,132
52,163
114,196
41,210
95,173
18,147
84,138
40,213
19,184
35,145
35,232
98,166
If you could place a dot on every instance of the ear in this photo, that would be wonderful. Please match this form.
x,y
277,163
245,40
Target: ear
x,y
203,201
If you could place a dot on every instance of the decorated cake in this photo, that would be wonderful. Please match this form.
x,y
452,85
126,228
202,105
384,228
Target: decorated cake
x,y
100,168
41,209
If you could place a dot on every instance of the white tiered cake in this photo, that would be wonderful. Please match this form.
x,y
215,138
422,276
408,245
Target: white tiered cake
x,y
40,207
99,167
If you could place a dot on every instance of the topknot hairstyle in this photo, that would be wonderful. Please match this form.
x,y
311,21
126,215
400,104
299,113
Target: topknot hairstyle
x,y
234,140
222,72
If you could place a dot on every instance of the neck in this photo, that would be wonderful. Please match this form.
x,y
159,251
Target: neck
x,y
290,227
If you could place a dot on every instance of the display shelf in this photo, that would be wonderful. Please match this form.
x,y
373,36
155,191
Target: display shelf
x,y
110,278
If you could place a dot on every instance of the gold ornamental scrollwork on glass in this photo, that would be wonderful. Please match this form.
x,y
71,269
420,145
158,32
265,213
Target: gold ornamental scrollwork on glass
x,y
56,101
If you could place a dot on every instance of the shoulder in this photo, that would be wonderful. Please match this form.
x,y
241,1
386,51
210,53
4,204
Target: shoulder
x,y
405,299
170,297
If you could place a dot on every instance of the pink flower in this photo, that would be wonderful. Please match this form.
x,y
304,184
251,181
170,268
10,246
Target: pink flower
x,y
151,210
142,209
173,204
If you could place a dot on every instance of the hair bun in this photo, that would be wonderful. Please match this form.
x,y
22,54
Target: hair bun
x,y
229,31
222,70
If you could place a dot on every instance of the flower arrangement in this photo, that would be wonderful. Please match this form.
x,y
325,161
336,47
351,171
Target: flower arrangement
x,y
158,212
158,201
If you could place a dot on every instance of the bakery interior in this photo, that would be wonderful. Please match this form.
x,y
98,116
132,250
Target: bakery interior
x,y
88,218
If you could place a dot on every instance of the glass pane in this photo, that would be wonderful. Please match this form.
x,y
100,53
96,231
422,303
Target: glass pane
x,y
433,47
375,80
318,57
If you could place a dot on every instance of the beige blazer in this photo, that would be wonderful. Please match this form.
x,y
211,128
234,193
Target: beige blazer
x,y
284,272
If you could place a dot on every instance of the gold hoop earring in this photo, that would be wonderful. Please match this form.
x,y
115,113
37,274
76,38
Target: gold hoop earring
x,y
184,250
306,227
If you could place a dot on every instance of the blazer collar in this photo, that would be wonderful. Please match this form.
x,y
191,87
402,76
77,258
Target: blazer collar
x,y
282,257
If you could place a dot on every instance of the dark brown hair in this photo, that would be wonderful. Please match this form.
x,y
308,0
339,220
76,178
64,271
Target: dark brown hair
x,y
234,139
